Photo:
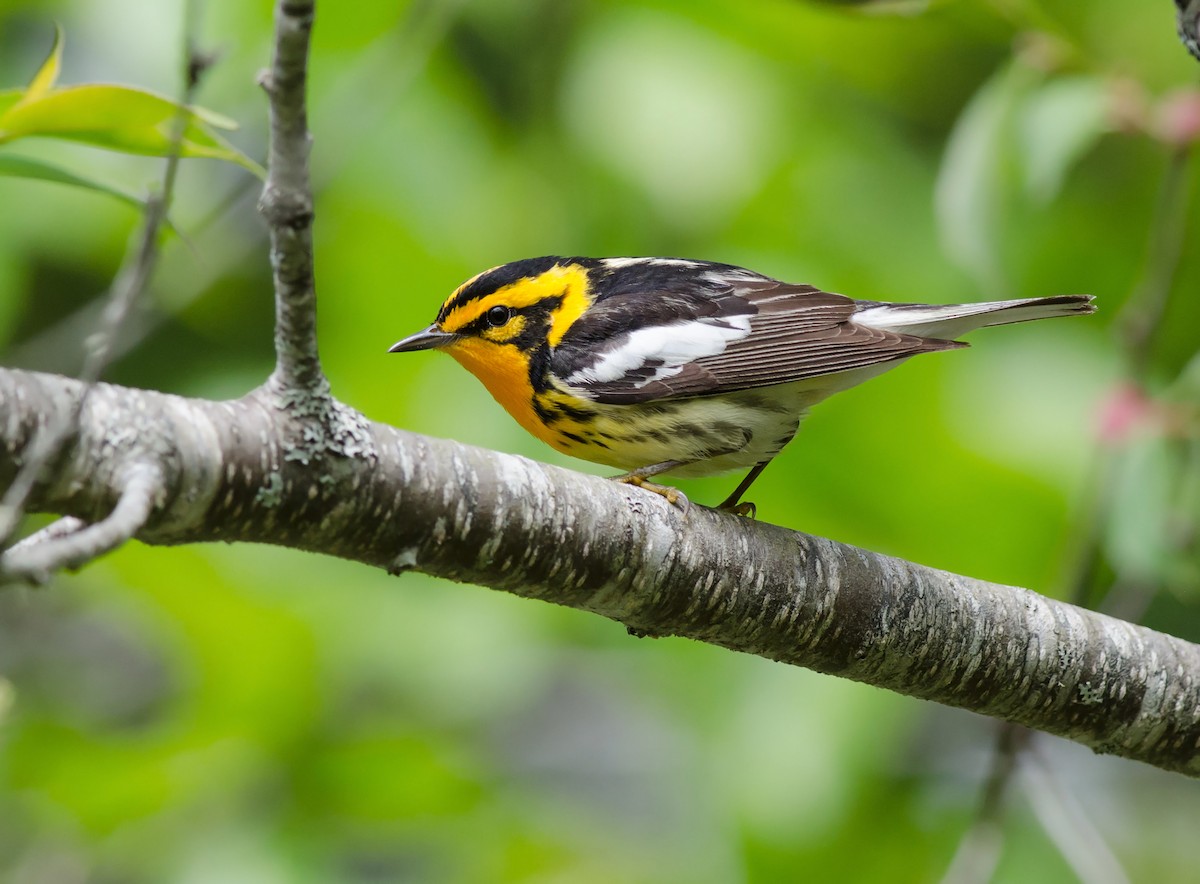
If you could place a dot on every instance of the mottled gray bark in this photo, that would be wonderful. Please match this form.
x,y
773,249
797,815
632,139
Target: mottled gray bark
x,y
267,469
287,202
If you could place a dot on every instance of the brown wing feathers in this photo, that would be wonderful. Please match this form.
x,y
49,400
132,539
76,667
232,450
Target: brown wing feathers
x,y
796,332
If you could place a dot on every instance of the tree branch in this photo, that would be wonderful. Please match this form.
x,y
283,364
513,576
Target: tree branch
x,y
287,202
341,485
69,542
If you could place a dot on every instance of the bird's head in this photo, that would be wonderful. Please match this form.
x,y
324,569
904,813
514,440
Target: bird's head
x,y
496,322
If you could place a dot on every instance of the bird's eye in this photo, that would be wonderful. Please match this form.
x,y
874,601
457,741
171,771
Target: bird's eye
x,y
498,316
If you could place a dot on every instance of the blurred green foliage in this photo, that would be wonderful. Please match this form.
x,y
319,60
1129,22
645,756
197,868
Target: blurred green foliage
x,y
251,714
104,115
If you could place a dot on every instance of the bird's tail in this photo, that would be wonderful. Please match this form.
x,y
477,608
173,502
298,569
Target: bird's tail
x,y
952,320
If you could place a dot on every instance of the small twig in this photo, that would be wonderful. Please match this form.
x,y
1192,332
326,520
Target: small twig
x,y
979,850
56,530
287,202
1142,317
124,294
58,546
56,341
1067,824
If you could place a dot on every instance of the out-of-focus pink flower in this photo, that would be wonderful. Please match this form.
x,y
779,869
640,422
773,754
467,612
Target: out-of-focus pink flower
x,y
1126,410
1177,119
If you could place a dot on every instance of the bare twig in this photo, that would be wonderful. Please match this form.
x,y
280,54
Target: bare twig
x,y
58,546
1067,823
56,530
1143,313
978,852
124,294
287,202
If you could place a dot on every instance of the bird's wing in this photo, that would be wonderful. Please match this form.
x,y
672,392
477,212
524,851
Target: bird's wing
x,y
742,331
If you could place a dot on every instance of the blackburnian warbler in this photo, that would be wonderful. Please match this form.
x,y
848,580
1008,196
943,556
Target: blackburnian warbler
x,y
689,368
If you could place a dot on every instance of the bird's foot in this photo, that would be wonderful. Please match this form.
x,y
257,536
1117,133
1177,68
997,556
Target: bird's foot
x,y
747,509
731,505
673,496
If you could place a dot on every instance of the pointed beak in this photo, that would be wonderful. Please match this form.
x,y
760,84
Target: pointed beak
x,y
426,339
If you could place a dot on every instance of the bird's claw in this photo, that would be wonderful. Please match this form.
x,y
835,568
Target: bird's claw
x,y
747,509
673,496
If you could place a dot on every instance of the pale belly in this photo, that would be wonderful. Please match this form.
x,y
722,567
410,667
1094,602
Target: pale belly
x,y
710,435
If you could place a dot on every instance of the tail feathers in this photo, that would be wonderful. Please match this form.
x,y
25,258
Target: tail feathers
x,y
952,320
1006,312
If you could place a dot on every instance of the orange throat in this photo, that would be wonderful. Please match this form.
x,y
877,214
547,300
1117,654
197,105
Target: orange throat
x,y
504,371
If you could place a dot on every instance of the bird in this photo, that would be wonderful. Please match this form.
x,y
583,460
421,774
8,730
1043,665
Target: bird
x,y
683,368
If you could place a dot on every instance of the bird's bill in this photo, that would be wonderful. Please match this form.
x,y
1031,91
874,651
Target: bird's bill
x,y
426,339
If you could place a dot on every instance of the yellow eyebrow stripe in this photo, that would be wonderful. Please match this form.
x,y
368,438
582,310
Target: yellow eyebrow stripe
x,y
568,282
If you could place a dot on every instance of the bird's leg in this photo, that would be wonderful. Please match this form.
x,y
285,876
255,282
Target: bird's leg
x,y
639,476
731,505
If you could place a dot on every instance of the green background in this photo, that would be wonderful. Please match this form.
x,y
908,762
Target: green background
x,y
246,714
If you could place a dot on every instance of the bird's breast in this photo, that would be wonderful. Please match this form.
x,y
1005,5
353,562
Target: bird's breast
x,y
504,371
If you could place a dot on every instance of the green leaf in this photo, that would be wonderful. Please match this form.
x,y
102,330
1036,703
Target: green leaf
x,y
9,97
26,167
118,118
1058,124
43,81
123,119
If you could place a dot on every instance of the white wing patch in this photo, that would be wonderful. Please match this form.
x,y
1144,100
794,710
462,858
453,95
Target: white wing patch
x,y
652,354
619,263
733,275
